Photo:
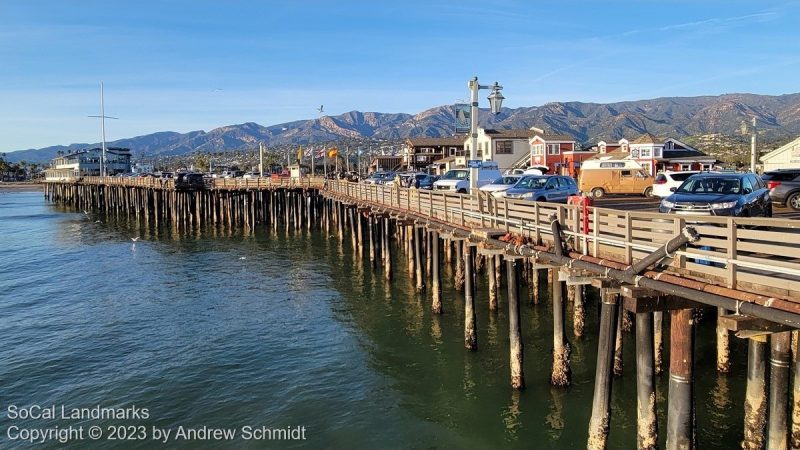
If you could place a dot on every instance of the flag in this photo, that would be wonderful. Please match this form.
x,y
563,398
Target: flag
x,y
300,154
333,152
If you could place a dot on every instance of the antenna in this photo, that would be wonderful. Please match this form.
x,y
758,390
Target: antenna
x,y
103,118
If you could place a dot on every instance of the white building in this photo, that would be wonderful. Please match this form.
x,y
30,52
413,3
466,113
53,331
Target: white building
x,y
505,147
142,168
785,157
87,163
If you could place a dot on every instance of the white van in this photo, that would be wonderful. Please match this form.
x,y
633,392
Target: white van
x,y
457,180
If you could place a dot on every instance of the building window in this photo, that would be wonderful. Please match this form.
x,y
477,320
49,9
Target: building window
x,y
538,149
686,167
553,149
504,148
657,152
706,167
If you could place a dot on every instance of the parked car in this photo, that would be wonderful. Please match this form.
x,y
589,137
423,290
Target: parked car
x,y
667,180
784,187
544,188
250,175
189,181
457,180
720,194
614,177
166,175
501,184
379,177
426,181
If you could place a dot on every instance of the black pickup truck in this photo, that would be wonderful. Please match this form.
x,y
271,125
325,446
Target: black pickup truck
x,y
784,187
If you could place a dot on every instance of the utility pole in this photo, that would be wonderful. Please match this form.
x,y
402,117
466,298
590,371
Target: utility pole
x,y
103,117
260,159
753,153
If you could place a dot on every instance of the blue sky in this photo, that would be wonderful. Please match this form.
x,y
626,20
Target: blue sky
x,y
189,65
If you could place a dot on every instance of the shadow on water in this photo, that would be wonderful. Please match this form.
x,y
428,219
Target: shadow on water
x,y
227,327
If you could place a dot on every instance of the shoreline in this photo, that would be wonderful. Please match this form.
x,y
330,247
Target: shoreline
x,y
18,186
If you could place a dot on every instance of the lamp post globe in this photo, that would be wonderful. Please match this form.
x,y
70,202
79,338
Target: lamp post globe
x,y
496,98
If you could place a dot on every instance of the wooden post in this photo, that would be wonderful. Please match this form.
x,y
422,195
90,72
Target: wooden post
x,y
618,343
658,341
534,293
680,408
646,419
600,421
723,345
755,403
578,312
460,258
492,274
418,234
387,249
780,358
561,374
470,335
514,330
436,286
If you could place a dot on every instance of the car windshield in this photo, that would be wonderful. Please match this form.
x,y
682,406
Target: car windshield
x,y
716,185
531,183
456,175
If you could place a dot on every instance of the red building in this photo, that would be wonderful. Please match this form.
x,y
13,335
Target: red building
x,y
558,152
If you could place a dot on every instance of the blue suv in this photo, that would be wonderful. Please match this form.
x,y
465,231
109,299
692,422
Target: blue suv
x,y
720,194
544,188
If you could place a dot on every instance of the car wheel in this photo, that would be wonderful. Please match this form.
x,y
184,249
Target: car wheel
x,y
648,192
768,211
598,193
794,201
461,191
541,199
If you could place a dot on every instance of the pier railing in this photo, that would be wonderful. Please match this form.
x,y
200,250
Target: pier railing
x,y
756,255
214,183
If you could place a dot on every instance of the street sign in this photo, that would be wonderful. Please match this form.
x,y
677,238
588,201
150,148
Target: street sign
x,y
474,163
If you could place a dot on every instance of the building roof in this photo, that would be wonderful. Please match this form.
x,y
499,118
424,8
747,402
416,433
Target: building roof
x,y
616,155
445,160
509,134
553,137
647,138
784,148
453,141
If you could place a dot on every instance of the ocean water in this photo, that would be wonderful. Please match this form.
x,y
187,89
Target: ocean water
x,y
227,329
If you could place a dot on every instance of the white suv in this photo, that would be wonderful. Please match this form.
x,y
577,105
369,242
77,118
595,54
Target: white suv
x,y
457,180
665,181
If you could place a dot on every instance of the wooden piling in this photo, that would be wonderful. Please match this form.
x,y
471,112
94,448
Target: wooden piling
x,y
418,234
618,362
491,273
436,287
658,341
680,408
561,374
779,360
514,330
578,312
723,345
600,421
460,258
755,403
470,335
646,419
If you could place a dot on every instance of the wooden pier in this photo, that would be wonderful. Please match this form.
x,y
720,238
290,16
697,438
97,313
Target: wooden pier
x,y
643,264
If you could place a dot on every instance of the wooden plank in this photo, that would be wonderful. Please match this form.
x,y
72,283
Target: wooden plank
x,y
655,304
739,322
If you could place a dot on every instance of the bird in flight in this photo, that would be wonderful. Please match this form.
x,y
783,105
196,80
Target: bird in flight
x,y
321,109
134,239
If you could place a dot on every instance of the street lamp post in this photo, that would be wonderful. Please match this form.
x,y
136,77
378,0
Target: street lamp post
x,y
495,102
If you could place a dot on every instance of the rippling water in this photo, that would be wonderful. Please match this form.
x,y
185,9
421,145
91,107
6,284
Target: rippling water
x,y
285,329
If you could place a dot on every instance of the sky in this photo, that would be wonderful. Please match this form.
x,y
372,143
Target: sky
x,y
197,65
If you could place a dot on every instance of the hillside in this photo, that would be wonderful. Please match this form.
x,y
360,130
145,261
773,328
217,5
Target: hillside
x,y
692,118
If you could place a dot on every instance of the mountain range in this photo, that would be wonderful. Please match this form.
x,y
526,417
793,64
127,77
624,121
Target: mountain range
x,y
778,119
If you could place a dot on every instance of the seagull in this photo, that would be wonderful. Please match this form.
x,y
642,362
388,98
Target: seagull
x,y
321,109
242,257
134,239
85,212
96,221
